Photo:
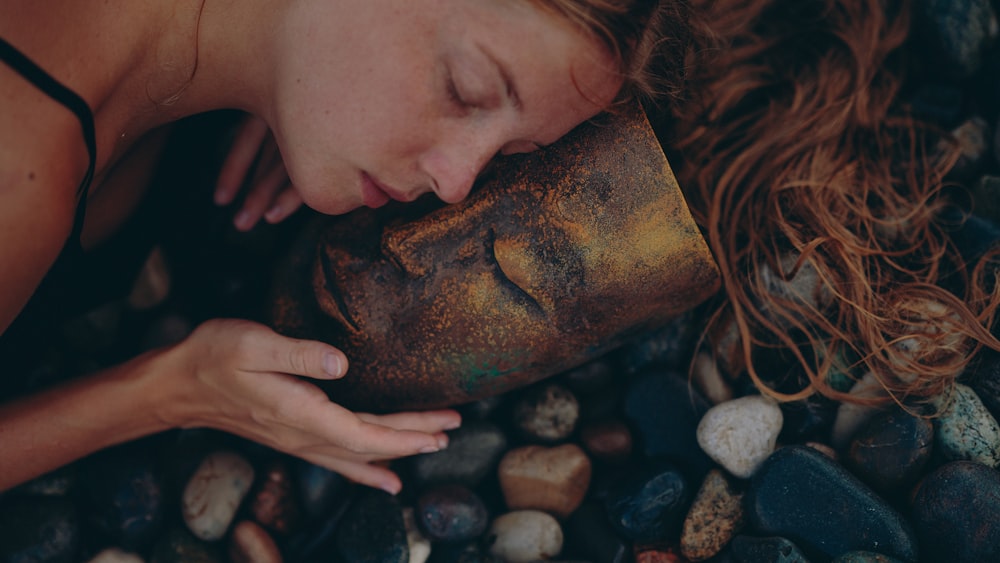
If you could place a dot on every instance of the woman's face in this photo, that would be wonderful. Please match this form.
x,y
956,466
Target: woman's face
x,y
380,99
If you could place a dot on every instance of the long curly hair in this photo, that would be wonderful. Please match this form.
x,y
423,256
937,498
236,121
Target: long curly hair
x,y
821,198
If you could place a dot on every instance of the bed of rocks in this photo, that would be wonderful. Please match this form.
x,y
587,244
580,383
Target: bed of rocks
x,y
629,458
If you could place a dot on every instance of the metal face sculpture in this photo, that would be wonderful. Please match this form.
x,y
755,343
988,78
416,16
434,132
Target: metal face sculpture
x,y
557,257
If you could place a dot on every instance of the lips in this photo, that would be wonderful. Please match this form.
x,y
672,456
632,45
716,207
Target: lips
x,y
376,194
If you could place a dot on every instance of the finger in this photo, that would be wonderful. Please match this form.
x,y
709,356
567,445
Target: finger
x,y
363,473
242,154
375,441
268,351
287,202
260,197
428,421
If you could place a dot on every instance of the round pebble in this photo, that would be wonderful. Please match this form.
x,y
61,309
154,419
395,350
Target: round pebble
x,y
648,503
966,430
250,543
451,513
523,536
115,555
890,452
548,413
956,512
553,480
214,493
416,542
273,504
608,440
740,434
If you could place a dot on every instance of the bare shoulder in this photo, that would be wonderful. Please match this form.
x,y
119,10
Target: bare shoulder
x,y
42,160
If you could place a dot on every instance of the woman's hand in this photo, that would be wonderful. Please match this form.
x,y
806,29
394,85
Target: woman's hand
x,y
270,195
238,376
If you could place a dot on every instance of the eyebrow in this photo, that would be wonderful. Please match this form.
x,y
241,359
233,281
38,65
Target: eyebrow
x,y
505,75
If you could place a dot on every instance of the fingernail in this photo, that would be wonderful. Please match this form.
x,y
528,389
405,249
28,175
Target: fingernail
x,y
430,449
242,220
453,424
273,214
391,489
442,441
331,364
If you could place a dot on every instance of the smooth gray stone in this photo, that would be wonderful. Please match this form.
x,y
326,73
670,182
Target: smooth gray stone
x,y
800,494
473,451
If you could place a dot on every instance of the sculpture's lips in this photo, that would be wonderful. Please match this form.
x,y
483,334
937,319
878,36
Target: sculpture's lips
x,y
334,294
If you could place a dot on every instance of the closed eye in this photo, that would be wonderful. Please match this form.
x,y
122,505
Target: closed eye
x,y
505,276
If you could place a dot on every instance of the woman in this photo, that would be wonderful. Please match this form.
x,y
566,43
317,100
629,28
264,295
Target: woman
x,y
368,100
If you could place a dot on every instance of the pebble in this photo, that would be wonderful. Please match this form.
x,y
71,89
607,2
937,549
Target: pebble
x,y
115,555
591,377
740,434
648,503
669,346
865,557
179,546
774,549
966,429
523,536
709,380
373,530
800,493
608,440
250,543
956,512
317,488
122,496
473,452
801,286
548,413
214,493
273,505
451,513
852,416
152,286
589,535
891,451
552,480
665,412
45,529
954,34
715,516
417,543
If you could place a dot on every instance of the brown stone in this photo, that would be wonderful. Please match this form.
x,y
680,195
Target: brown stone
x,y
274,505
252,544
607,440
552,480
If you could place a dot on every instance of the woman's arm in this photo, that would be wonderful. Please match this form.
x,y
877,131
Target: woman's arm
x,y
230,375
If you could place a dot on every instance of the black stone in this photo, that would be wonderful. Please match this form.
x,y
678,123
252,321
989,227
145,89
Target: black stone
x,y
800,494
649,502
747,549
665,411
373,530
953,35
122,497
451,513
318,489
956,512
38,530
588,534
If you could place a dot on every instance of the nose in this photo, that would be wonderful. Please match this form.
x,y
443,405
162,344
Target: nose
x,y
453,165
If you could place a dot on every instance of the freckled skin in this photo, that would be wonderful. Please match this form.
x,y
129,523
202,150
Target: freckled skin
x,y
558,257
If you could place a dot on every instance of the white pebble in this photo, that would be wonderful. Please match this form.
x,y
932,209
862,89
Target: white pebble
x,y
214,493
852,416
522,536
420,546
115,555
740,434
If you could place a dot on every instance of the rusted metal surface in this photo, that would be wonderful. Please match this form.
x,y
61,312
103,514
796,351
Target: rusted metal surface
x,y
558,257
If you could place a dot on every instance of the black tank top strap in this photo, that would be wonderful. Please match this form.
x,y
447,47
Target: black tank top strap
x,y
73,102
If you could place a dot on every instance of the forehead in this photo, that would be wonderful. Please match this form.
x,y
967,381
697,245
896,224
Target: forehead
x,y
562,75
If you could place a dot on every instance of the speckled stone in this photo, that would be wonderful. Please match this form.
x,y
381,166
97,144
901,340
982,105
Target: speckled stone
x,y
523,536
451,513
251,543
715,516
890,452
552,480
740,434
274,505
802,495
956,512
608,440
547,413
966,430
373,530
214,492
